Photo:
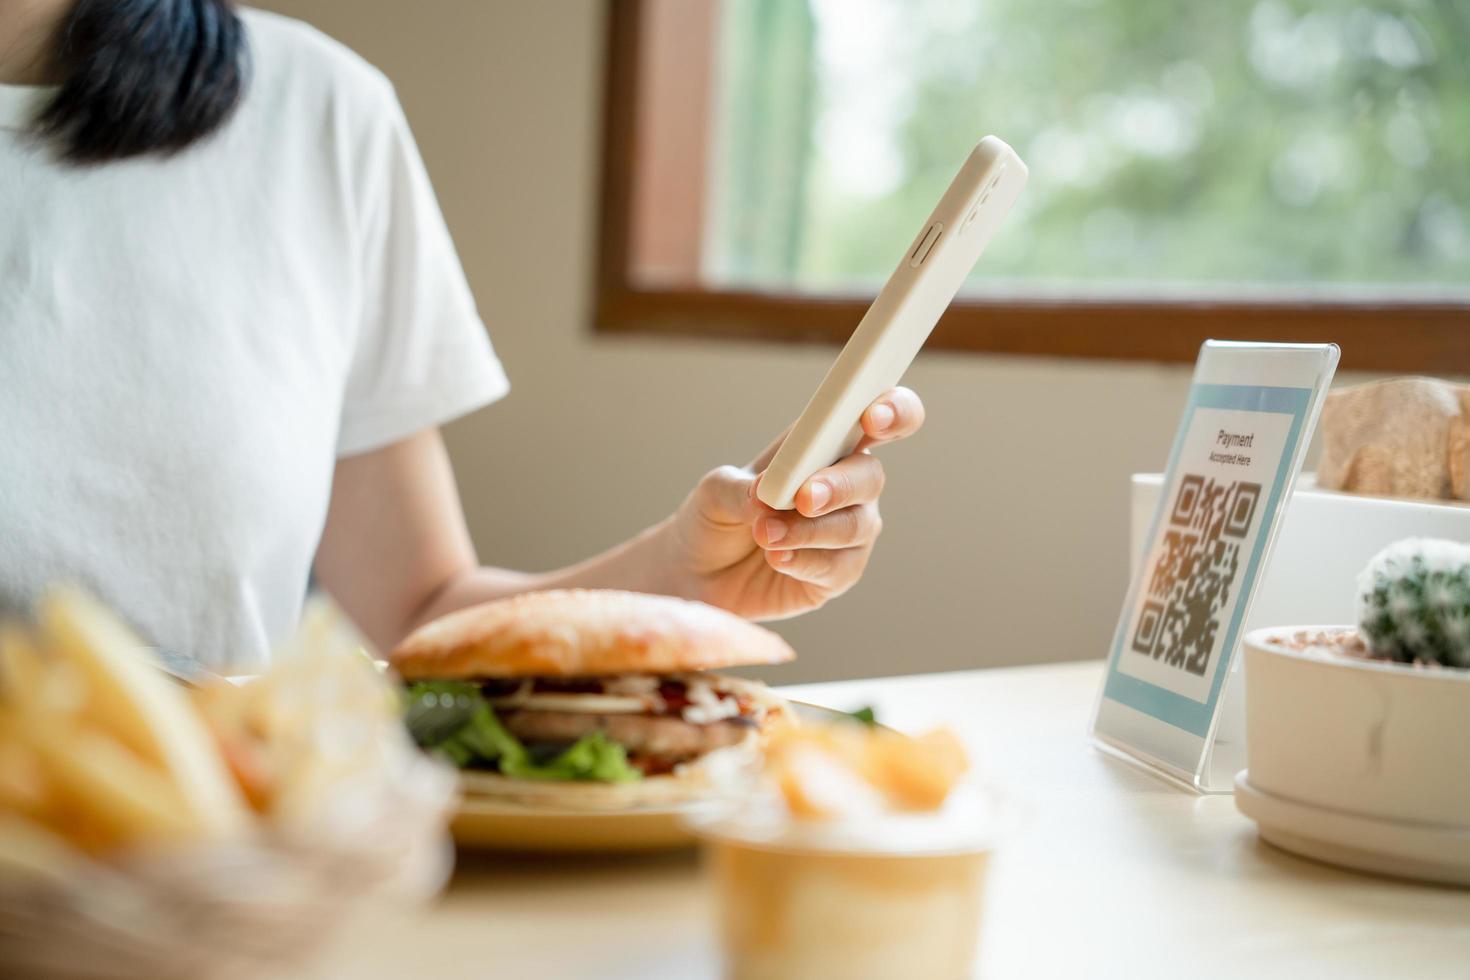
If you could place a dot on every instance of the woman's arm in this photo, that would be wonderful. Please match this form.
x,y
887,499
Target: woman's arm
x,y
395,551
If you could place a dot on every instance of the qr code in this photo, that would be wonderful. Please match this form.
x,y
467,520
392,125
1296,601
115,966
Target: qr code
x,y
1189,587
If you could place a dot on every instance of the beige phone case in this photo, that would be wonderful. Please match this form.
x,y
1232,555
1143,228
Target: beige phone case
x,y
900,319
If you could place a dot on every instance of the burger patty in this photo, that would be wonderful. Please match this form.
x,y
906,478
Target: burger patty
x,y
667,737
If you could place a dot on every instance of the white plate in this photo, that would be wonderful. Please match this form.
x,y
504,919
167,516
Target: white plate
x,y
1401,850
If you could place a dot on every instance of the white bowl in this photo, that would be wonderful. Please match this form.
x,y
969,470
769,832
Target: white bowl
x,y
1385,741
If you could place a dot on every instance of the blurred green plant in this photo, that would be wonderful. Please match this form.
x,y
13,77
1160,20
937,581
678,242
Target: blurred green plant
x,y
766,108
1270,142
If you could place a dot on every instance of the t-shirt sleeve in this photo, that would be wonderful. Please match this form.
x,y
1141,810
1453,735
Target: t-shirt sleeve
x,y
421,356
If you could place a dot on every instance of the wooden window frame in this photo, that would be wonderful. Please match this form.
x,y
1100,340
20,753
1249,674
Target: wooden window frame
x,y
1393,334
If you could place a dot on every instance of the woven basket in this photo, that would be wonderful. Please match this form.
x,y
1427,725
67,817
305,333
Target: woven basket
x,y
247,909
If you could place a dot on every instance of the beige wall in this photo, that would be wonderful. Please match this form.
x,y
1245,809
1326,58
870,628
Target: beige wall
x,y
1006,519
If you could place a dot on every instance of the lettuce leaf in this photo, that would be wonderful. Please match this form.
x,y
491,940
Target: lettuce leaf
x,y
435,710
453,719
482,739
591,757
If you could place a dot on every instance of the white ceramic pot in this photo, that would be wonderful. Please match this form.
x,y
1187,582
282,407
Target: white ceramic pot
x,y
1388,742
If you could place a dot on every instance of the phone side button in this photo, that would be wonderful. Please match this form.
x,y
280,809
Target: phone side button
x,y
926,245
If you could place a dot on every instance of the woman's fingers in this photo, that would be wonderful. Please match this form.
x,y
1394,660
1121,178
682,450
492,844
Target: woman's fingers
x,y
855,479
851,527
833,570
896,414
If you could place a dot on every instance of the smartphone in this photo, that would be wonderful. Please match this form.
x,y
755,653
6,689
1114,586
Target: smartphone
x,y
900,319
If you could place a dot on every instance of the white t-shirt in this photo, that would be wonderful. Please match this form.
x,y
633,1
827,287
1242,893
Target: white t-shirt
x,y
188,343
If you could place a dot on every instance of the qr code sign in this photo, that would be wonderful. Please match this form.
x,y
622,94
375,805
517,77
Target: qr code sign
x,y
1189,588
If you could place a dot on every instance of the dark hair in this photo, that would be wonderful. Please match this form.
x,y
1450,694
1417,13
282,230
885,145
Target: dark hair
x,y
144,76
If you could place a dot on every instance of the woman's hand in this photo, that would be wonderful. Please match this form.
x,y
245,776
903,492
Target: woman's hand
x,y
395,551
727,548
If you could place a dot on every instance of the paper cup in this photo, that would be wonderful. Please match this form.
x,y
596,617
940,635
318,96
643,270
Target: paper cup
x,y
901,896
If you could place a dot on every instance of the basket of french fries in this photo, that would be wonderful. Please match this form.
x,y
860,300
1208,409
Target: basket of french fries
x,y
149,830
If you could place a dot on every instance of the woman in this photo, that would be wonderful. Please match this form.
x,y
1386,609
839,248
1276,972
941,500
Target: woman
x,y
231,321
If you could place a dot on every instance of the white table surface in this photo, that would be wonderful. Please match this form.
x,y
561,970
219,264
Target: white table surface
x,y
1111,872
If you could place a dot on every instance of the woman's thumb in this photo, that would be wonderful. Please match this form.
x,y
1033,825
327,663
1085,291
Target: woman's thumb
x,y
727,495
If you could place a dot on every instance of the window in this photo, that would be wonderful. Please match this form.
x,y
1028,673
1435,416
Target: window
x,y
1254,170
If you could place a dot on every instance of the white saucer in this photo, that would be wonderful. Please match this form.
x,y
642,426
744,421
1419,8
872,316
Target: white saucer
x,y
1402,850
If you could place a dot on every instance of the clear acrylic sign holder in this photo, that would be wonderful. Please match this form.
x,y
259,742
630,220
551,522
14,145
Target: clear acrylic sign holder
x,y
1172,696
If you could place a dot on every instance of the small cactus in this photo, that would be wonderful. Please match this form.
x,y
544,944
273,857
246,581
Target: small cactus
x,y
1414,602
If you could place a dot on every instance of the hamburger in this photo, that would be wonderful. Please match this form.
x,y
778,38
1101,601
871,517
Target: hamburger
x,y
589,698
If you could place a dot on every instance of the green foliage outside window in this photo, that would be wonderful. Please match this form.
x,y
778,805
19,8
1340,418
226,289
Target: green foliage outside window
x,y
1274,142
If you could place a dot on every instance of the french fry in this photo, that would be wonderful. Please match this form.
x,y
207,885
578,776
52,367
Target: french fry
x,y
314,721
826,771
915,773
250,764
104,785
101,751
30,680
29,849
78,632
23,786
149,716
845,742
819,786
20,665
